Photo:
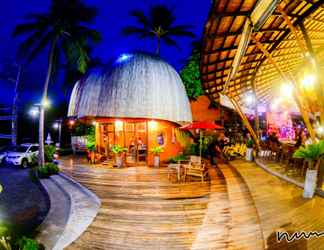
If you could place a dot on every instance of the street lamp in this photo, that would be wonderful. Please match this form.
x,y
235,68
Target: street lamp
x,y
58,126
34,112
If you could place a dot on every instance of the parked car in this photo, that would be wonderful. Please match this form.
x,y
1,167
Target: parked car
x,y
22,155
3,153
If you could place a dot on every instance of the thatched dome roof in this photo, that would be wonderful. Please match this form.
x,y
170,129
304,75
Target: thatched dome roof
x,y
137,86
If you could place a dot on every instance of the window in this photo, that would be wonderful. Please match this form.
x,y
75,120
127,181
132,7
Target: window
x,y
33,148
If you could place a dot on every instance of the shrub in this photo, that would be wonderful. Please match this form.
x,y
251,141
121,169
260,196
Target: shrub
x,y
25,243
157,150
249,143
192,149
48,170
117,149
49,152
91,139
177,158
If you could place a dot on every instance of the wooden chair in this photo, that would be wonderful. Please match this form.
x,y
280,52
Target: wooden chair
x,y
196,170
174,167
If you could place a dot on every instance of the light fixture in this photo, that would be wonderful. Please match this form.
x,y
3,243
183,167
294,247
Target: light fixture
x,y
275,104
94,123
119,125
71,122
124,57
56,125
46,103
308,81
152,125
320,130
249,99
286,90
34,112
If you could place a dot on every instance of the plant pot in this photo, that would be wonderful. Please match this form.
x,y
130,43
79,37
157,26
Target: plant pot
x,y
92,157
156,161
249,154
310,183
119,161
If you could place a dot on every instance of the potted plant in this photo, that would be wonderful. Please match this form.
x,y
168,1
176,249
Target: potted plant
x,y
118,150
156,152
312,154
91,148
249,150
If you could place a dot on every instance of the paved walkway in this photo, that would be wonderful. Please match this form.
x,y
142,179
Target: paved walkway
x,y
23,203
242,207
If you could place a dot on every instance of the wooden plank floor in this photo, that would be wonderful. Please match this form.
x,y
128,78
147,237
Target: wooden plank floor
x,y
281,208
245,232
242,207
142,209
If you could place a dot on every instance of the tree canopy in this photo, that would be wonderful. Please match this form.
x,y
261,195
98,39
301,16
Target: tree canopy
x,y
159,24
190,76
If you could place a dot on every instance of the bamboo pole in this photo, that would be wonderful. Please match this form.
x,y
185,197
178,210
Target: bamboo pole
x,y
314,63
292,28
245,121
297,96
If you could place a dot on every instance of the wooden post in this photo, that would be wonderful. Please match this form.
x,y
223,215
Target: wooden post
x,y
297,96
245,121
256,121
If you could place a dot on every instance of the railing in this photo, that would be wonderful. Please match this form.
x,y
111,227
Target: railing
x,y
4,136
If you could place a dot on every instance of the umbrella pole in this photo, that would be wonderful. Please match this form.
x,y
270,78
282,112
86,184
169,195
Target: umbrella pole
x,y
200,144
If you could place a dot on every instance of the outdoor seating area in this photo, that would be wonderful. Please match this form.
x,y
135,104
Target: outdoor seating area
x,y
173,125
185,170
280,158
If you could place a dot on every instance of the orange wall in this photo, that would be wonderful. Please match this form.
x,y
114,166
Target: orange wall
x,y
171,146
201,112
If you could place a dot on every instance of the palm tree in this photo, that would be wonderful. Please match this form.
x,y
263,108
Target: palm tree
x,y
160,24
63,29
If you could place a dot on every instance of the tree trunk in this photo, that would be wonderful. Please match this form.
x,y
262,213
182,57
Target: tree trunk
x,y
41,157
14,110
158,45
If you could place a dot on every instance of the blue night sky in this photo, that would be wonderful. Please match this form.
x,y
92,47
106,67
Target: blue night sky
x,y
113,16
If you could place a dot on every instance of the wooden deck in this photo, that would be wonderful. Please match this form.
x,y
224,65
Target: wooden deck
x,y
240,208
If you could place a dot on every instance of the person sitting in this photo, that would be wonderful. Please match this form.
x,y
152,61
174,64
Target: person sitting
x,y
273,138
299,139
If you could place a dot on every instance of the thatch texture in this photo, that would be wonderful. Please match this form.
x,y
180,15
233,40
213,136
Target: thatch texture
x,y
222,35
138,86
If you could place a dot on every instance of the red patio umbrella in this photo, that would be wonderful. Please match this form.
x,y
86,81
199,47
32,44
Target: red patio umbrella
x,y
201,125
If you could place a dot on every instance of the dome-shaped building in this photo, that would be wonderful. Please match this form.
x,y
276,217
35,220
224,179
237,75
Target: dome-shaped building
x,y
136,103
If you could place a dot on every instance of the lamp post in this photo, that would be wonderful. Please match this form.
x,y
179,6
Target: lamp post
x,y
58,126
34,112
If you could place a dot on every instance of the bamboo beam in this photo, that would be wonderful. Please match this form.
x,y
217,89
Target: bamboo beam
x,y
292,28
297,96
305,47
315,64
245,120
257,122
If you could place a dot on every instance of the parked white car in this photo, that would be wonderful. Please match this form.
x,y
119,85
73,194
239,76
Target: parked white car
x,y
22,155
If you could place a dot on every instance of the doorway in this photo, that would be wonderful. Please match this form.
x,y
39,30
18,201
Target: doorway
x,y
129,134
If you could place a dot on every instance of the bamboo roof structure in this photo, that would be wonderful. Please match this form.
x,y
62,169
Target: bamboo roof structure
x,y
137,86
228,64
